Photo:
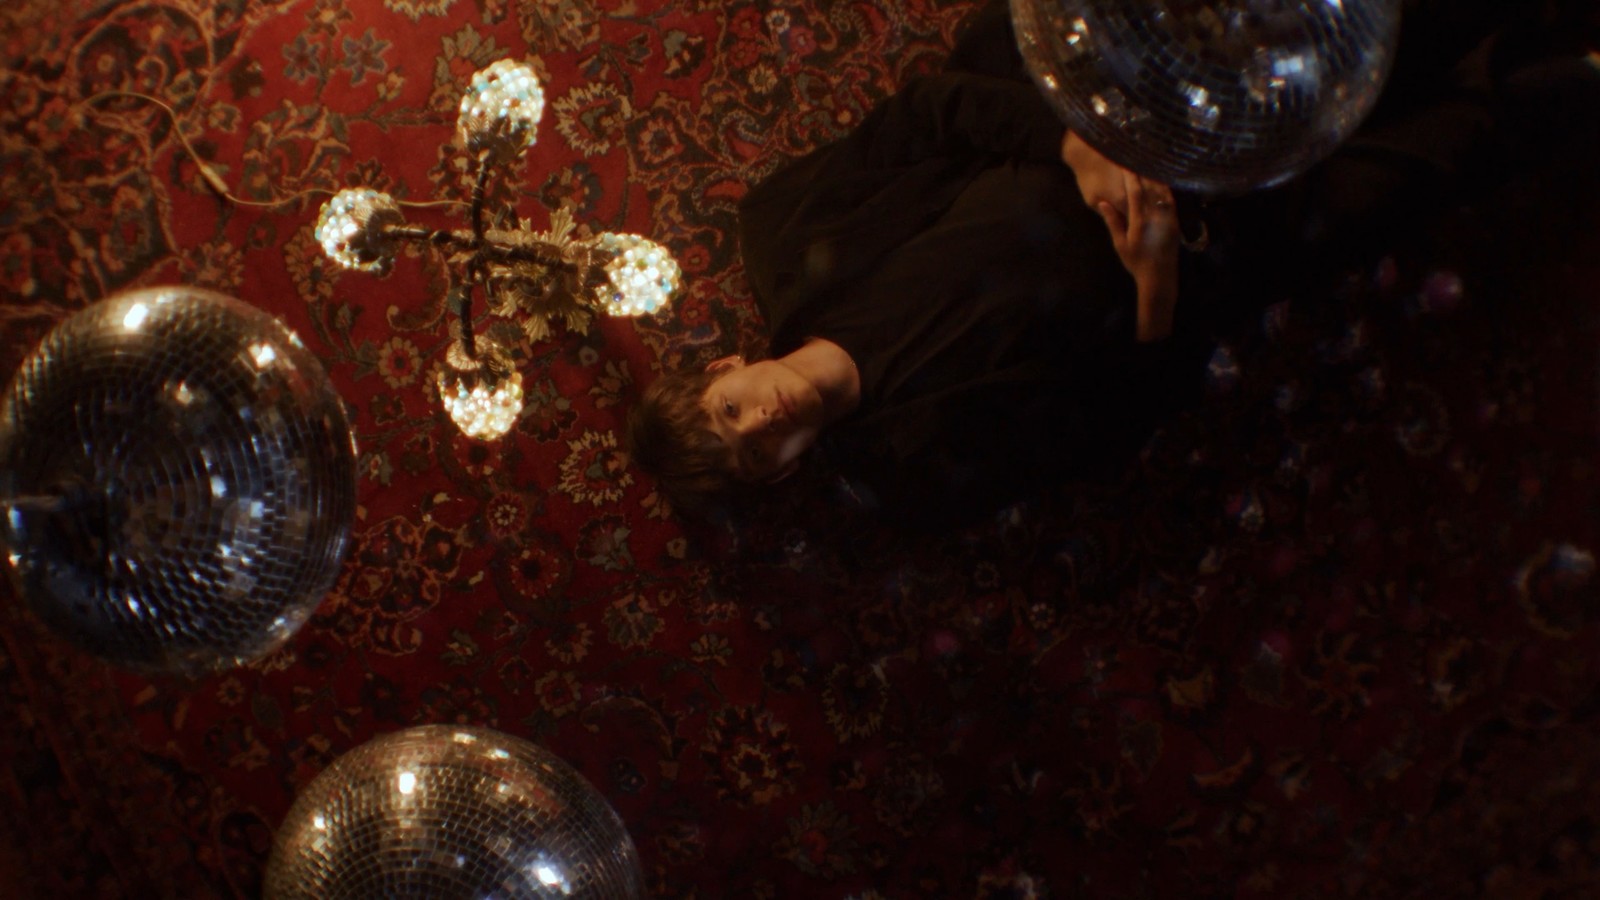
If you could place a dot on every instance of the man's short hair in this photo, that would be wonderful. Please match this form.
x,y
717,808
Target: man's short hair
x,y
670,436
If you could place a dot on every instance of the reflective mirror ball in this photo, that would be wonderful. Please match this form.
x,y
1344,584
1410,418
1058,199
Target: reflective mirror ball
x,y
177,481
443,812
1212,96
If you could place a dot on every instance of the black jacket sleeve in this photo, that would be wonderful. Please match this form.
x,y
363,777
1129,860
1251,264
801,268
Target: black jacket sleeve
x,y
959,114
861,196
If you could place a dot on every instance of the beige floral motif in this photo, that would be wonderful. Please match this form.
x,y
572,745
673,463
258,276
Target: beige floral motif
x,y
222,117
416,9
514,673
632,621
855,699
230,691
280,660
460,701
1554,588
571,647
821,842
254,754
506,514
218,266
328,15
750,757
128,231
312,277
559,693
681,842
16,264
569,24
290,149
1338,676
463,53
399,361
591,117
460,649
53,123
397,571
537,569
762,78
711,648
1194,692
596,471
611,384
391,85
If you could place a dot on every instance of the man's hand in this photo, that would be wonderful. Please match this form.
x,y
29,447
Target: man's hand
x,y
1146,238
1099,179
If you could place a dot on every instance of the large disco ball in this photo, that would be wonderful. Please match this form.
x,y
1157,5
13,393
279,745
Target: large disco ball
x,y
177,478
442,812
1211,96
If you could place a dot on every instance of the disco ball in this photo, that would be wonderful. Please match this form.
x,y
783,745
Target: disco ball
x,y
177,479
1211,96
443,812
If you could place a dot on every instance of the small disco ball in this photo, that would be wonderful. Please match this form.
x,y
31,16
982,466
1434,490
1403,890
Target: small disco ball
x,y
1211,96
442,812
177,478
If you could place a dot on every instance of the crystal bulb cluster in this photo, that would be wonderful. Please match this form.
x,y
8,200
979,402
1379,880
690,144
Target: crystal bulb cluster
x,y
500,111
643,274
351,229
482,402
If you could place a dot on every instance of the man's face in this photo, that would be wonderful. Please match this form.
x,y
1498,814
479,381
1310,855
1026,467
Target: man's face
x,y
766,413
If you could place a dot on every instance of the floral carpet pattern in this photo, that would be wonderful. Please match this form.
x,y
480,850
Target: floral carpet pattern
x,y
1334,635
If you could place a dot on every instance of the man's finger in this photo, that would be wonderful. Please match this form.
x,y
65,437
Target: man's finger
x,y
1160,195
1134,185
1114,219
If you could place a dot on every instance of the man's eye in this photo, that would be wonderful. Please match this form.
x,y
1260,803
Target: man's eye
x,y
729,408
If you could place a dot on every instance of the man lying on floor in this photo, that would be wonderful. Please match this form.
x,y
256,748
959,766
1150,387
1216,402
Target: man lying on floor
x,y
966,302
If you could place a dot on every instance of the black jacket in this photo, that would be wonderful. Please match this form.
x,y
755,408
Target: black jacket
x,y
945,245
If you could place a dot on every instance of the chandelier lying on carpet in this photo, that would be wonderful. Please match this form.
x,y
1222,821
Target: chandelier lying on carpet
x,y
540,276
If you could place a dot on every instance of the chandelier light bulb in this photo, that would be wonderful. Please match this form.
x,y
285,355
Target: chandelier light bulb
x,y
351,229
482,403
643,275
500,111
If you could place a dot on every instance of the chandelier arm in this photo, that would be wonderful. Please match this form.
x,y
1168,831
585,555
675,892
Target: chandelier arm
x,y
478,186
542,255
477,277
438,237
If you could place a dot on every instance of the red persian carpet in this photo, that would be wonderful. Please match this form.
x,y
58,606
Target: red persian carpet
x,y
1334,634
